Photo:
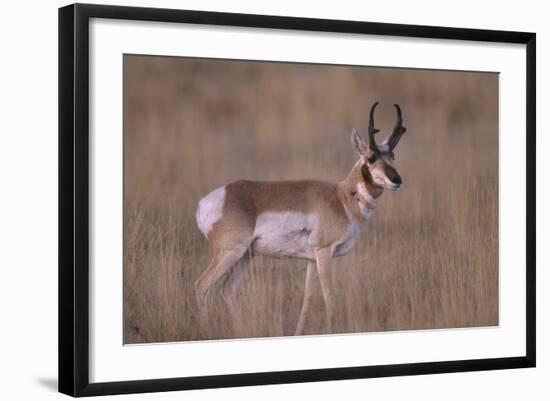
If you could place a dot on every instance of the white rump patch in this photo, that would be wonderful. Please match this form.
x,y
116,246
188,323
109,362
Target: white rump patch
x,y
285,234
210,210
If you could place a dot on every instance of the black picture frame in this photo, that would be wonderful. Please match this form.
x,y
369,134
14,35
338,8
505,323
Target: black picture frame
x,y
74,198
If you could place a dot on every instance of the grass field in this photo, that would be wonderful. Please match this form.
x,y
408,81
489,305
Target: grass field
x,y
427,259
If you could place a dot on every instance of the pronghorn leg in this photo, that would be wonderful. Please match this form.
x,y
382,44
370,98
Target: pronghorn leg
x,y
200,291
323,257
232,282
221,263
308,294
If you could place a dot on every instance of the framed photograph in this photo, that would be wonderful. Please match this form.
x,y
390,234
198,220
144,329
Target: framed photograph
x,y
251,199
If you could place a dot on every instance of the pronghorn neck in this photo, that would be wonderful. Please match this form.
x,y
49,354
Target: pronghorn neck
x,y
360,196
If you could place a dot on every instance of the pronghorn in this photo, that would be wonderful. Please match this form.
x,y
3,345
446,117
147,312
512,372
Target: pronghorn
x,y
310,220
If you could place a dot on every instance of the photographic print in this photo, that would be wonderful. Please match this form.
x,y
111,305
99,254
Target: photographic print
x,y
268,199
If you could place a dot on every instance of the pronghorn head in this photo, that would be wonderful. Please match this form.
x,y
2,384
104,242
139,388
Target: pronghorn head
x,y
377,159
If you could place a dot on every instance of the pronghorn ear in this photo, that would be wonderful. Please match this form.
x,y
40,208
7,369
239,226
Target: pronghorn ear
x,y
358,143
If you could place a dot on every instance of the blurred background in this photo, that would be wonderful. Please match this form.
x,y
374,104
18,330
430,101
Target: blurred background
x,y
427,259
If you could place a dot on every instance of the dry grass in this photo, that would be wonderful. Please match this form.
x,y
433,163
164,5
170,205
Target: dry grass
x,y
427,259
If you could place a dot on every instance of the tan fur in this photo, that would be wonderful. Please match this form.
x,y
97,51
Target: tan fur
x,y
335,205
245,200
349,185
338,210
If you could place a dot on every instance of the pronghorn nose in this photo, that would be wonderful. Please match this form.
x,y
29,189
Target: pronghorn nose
x,y
392,174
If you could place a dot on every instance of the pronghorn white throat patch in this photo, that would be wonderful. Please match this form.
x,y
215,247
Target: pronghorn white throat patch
x,y
367,203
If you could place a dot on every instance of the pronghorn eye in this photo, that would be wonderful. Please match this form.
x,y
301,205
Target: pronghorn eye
x,y
372,158
353,193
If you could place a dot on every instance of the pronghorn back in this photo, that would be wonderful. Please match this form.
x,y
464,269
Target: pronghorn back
x,y
276,218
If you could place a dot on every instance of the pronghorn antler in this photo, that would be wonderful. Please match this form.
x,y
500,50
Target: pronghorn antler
x,y
398,129
372,143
